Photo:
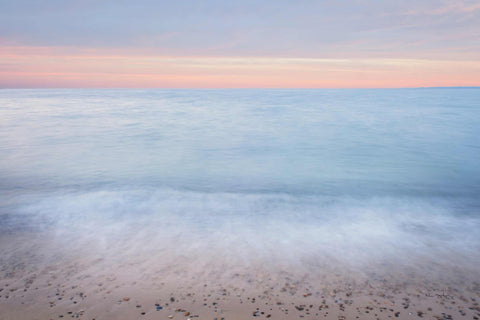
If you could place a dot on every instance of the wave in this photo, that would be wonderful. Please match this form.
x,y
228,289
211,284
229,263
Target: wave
x,y
274,230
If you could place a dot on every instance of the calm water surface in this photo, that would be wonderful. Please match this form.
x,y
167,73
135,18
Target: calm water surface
x,y
398,166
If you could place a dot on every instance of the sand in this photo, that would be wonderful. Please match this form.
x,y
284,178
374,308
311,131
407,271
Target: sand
x,y
41,281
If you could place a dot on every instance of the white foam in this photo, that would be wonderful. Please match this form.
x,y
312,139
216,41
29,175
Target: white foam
x,y
275,230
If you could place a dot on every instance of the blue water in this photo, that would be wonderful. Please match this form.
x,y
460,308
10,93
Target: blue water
x,y
348,168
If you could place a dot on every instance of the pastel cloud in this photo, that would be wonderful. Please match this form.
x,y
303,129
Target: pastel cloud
x,y
41,68
451,7
213,43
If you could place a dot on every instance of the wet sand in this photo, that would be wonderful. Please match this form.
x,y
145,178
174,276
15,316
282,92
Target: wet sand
x,y
40,281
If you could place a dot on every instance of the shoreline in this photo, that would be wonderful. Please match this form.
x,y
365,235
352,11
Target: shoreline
x,y
36,285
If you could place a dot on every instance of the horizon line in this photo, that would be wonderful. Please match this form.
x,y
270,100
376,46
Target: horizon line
x,y
236,88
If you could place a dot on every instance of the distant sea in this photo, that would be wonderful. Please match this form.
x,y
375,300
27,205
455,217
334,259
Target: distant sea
x,y
315,172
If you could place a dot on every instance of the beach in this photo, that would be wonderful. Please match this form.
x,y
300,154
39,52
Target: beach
x,y
76,284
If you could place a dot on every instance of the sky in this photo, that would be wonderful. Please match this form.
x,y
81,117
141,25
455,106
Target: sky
x,y
239,44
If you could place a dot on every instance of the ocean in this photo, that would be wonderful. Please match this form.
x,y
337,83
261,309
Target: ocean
x,y
284,178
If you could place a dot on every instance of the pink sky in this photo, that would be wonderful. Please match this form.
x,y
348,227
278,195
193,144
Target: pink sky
x,y
44,67
239,44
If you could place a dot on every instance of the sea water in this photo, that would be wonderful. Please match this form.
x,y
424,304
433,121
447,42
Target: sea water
x,y
281,177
